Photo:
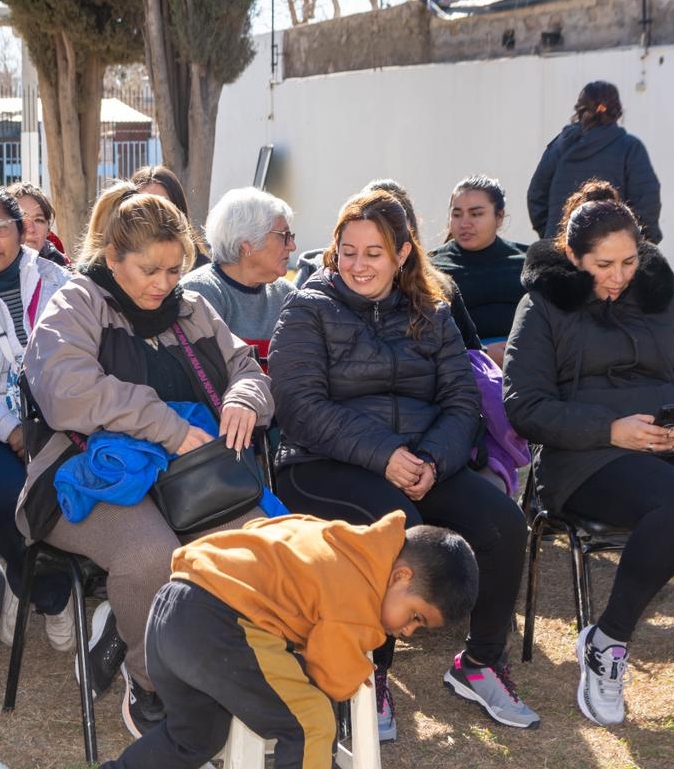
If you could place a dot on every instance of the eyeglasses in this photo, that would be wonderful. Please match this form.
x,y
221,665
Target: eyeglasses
x,y
286,235
6,227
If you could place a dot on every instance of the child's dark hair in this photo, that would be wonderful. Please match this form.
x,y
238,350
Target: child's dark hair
x,y
445,570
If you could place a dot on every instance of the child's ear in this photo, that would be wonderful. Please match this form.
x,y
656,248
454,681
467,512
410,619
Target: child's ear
x,y
401,572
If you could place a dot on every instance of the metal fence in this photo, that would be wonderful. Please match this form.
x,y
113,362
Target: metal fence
x,y
119,159
126,144
10,162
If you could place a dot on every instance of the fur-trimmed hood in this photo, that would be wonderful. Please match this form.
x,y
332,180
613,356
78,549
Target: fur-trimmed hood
x,y
552,274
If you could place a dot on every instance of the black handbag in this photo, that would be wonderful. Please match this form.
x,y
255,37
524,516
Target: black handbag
x,y
209,485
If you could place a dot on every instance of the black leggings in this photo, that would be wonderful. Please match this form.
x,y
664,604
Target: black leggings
x,y
635,491
466,503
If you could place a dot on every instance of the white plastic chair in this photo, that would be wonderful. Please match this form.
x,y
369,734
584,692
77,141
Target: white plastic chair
x,y
246,750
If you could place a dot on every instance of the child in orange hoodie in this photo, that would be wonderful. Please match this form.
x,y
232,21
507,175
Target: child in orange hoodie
x,y
271,622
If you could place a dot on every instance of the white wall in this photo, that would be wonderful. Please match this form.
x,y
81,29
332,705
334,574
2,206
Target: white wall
x,y
429,126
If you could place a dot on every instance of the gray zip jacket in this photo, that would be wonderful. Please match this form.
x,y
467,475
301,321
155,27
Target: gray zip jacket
x,y
85,374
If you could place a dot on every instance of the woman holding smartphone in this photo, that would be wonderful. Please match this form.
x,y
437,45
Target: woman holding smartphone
x,y
588,365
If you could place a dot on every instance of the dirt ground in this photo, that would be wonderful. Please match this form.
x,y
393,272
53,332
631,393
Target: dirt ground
x,y
435,728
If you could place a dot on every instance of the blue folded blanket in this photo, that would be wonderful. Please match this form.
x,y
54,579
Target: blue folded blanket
x,y
117,468
120,470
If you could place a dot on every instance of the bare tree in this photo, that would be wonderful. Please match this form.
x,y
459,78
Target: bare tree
x,y
194,47
10,59
307,11
71,42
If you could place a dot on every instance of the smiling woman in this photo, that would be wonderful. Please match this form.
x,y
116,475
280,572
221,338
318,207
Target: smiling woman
x,y
364,260
379,411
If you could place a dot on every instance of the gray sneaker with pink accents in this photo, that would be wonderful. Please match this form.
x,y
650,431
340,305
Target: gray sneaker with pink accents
x,y
493,689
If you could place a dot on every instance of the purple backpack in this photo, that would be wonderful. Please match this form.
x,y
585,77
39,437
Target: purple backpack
x,y
505,449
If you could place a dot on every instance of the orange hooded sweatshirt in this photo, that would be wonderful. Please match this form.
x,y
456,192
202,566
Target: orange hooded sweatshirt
x,y
319,584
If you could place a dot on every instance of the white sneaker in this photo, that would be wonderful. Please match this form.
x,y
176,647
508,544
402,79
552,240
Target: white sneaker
x,y
602,677
10,605
60,628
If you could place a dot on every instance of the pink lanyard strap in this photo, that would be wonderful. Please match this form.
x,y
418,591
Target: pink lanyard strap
x,y
34,301
194,362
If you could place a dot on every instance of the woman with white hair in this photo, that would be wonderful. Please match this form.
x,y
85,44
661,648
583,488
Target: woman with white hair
x,y
251,241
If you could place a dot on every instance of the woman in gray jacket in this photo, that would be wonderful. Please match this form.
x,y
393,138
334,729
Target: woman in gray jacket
x,y
589,363
105,356
379,411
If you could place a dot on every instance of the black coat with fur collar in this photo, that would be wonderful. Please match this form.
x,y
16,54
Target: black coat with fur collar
x,y
575,363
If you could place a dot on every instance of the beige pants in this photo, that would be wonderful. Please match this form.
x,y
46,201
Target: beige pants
x,y
134,544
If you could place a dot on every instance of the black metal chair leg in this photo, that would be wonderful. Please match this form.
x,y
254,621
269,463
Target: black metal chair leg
x,y
86,696
344,720
580,583
30,566
19,639
532,588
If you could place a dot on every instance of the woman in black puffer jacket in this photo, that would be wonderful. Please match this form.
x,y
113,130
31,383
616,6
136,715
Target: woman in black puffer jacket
x,y
379,411
588,364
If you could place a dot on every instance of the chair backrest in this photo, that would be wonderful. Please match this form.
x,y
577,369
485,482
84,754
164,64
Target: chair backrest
x,y
263,444
36,432
607,536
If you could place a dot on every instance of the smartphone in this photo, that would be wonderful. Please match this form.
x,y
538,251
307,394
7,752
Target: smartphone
x,y
665,417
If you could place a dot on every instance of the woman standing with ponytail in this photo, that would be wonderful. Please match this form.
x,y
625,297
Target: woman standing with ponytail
x,y
594,146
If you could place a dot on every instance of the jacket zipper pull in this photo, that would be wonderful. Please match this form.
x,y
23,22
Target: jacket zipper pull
x,y
376,312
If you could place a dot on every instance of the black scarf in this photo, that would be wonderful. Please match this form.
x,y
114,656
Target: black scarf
x,y
146,323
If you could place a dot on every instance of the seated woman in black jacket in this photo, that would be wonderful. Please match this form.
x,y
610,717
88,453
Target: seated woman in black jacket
x,y
379,411
589,362
484,266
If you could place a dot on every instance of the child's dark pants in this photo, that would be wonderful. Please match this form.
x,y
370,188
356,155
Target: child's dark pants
x,y
208,664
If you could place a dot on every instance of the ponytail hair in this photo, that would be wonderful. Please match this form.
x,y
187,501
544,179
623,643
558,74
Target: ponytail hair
x,y
593,189
590,215
598,105
130,222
